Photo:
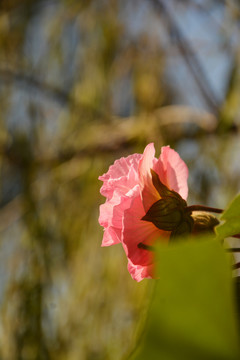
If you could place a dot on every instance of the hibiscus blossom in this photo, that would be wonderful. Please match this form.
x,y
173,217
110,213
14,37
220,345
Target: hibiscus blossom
x,y
134,188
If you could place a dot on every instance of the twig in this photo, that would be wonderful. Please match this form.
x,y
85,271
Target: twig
x,y
54,93
203,208
233,249
190,58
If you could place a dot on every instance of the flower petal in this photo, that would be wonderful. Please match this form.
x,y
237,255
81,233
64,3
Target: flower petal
x,y
121,185
111,216
130,192
121,176
172,171
139,272
148,192
137,231
111,236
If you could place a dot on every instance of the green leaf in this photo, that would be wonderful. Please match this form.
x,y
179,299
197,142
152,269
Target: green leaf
x,y
231,218
193,313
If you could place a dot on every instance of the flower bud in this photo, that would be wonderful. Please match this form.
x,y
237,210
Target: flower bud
x,y
169,213
203,222
165,214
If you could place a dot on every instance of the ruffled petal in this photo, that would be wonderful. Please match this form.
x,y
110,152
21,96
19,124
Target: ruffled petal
x,y
148,192
137,231
121,176
121,185
139,272
111,236
111,216
121,167
106,210
172,171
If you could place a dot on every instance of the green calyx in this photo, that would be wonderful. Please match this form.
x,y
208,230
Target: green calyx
x,y
165,214
169,213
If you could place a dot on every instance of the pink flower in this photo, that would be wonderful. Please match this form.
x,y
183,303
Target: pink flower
x,y
130,193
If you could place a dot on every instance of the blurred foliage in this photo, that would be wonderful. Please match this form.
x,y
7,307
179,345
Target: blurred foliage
x,y
192,316
230,113
231,220
81,84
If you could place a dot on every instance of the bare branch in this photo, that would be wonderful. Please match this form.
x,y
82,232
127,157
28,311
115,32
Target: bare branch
x,y
190,58
29,81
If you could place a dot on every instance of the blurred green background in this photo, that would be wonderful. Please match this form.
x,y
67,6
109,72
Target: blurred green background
x,y
83,83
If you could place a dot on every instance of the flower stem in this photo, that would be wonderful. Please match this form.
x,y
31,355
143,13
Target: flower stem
x,y
203,208
237,236
233,249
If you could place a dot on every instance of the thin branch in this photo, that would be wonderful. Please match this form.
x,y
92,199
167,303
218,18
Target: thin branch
x,y
13,210
49,91
203,208
190,57
53,93
233,250
237,236
205,10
